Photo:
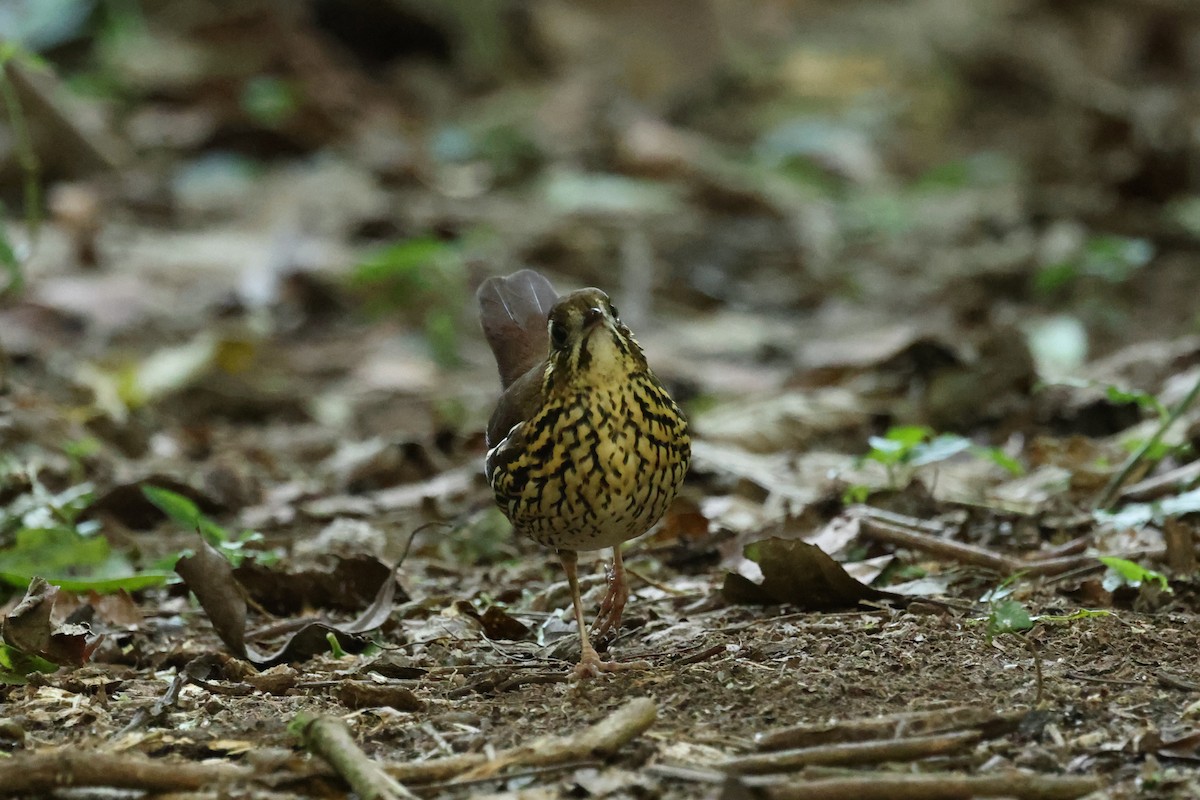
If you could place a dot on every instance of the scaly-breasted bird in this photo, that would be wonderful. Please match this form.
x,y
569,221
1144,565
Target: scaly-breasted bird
x,y
586,448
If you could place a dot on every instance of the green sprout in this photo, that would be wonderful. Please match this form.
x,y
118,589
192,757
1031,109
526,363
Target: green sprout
x,y
916,446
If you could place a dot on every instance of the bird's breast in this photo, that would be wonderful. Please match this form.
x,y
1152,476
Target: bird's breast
x,y
595,466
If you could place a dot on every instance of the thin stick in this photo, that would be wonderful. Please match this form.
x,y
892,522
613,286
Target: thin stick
x,y
894,529
1136,457
1171,481
46,771
949,786
890,532
662,587
852,753
329,738
907,723
599,740
432,788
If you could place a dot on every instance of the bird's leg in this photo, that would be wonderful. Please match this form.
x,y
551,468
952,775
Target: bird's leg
x,y
589,665
613,604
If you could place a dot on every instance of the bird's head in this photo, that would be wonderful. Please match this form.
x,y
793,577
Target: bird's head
x,y
588,342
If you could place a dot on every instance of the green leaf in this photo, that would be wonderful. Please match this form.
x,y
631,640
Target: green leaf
x,y
16,664
1141,399
184,512
187,514
858,493
1115,258
66,558
179,508
940,448
897,444
908,435
408,262
1000,459
269,101
1053,277
1008,616
1133,574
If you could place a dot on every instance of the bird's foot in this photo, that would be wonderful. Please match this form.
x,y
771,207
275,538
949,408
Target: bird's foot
x,y
591,665
612,606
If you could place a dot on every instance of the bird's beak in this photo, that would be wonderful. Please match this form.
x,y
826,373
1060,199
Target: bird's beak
x,y
592,317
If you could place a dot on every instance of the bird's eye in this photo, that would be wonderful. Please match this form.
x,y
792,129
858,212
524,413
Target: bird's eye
x,y
558,335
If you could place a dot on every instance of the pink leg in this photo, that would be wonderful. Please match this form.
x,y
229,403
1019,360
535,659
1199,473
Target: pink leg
x,y
613,604
590,665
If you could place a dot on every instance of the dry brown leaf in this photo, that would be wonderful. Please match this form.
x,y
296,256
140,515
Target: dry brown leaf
x,y
796,573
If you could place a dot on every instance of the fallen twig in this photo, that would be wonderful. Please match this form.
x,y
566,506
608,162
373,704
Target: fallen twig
x,y
329,738
523,678
893,532
1170,482
851,753
434,788
703,655
1135,458
907,723
947,786
910,532
45,771
1175,682
597,741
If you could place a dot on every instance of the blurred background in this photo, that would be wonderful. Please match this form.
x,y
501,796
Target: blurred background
x,y
1028,162
220,213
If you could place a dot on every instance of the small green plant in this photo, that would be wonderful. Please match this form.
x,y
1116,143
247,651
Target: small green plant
x,y
335,647
1143,400
270,101
1010,617
856,493
912,446
186,513
1112,259
26,158
1153,449
1007,616
49,538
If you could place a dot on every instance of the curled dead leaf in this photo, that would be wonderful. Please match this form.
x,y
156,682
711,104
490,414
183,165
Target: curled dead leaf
x,y
30,629
211,578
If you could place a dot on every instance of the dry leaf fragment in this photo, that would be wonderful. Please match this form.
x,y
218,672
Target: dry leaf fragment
x,y
29,628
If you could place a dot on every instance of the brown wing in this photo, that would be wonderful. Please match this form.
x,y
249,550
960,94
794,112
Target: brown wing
x,y
514,311
518,403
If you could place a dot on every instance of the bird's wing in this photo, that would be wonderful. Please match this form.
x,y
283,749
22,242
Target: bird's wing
x,y
514,311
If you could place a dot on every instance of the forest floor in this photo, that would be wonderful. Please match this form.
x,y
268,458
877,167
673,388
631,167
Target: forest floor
x,y
243,395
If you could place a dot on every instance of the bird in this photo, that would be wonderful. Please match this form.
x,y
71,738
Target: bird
x,y
586,448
